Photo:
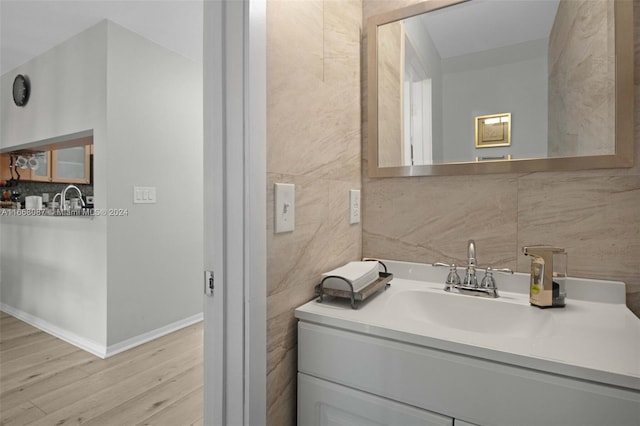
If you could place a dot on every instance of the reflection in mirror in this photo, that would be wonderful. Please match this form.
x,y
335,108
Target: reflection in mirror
x,y
547,65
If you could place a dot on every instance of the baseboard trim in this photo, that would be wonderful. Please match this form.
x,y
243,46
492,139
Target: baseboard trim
x,y
95,348
152,335
82,342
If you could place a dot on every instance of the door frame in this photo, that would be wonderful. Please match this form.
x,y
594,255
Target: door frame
x,y
234,79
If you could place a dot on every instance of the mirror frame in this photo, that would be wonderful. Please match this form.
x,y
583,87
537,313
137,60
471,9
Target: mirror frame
x,y
624,107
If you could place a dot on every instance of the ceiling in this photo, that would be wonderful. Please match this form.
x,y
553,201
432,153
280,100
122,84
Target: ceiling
x,y
29,28
481,25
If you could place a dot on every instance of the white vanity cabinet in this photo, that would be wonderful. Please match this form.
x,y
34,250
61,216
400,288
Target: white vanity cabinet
x,y
417,355
352,378
323,403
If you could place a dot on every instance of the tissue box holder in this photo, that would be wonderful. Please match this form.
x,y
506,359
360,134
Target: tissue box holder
x,y
348,292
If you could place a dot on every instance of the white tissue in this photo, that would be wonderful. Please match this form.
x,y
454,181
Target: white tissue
x,y
360,274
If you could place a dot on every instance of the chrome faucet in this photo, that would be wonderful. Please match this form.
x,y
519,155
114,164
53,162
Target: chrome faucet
x,y
64,195
469,285
470,278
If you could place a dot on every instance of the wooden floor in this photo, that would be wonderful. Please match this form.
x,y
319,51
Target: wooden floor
x,y
47,382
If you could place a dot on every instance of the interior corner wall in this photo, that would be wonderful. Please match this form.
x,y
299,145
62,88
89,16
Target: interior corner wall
x,y
154,251
54,268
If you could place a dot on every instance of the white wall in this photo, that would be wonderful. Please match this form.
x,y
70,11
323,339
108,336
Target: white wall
x,y
484,83
155,254
54,268
108,279
67,91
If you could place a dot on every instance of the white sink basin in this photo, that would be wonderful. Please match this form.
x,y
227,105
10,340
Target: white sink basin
x,y
502,316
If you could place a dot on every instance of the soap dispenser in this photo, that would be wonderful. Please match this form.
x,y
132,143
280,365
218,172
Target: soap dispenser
x,y
548,269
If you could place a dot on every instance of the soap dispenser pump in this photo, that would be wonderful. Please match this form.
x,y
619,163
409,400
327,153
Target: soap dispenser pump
x,y
547,284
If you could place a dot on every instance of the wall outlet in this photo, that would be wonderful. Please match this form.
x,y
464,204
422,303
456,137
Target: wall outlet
x,y
354,206
144,194
285,207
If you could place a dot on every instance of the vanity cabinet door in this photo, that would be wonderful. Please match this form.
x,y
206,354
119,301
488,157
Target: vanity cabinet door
x,y
322,403
71,165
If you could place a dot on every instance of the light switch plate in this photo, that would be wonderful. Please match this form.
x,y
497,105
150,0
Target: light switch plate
x,y
285,207
144,194
354,206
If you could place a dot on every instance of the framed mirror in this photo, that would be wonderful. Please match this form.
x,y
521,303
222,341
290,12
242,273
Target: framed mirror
x,y
499,86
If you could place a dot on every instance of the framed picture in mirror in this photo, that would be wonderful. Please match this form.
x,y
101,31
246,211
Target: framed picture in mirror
x,y
493,130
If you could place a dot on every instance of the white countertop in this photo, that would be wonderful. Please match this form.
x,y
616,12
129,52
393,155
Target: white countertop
x,y
595,337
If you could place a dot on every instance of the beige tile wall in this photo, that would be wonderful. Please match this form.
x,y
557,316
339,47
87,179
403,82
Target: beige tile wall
x,y
582,54
594,214
390,80
314,139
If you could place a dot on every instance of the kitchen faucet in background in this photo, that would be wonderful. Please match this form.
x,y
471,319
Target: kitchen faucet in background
x,y
64,194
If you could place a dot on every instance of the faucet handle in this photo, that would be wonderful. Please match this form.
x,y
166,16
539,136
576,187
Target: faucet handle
x,y
453,279
488,281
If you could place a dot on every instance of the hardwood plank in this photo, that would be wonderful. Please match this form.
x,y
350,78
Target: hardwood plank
x,y
7,319
26,359
18,342
10,322
74,383
78,386
186,411
190,334
5,316
39,345
95,404
152,402
20,414
113,375
45,385
17,330
15,341
41,371
53,351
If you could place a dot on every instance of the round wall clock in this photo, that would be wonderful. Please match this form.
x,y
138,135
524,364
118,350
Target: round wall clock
x,y
21,90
